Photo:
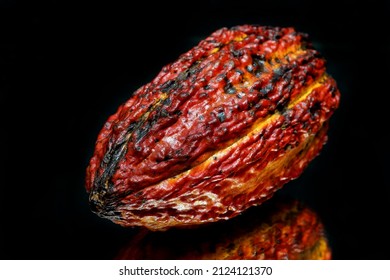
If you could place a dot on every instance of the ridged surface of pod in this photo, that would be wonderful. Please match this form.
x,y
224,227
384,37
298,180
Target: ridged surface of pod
x,y
215,132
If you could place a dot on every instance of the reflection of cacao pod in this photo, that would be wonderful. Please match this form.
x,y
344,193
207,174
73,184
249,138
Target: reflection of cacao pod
x,y
184,149
272,231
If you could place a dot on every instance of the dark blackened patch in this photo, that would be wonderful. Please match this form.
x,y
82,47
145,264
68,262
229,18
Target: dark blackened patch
x,y
239,71
278,73
138,148
237,53
240,95
229,88
287,76
167,157
262,250
221,77
249,68
100,193
102,184
257,106
257,58
288,147
276,36
167,102
142,131
287,114
258,64
169,86
164,113
221,116
106,158
183,76
314,109
289,88
180,157
282,104
193,69
267,89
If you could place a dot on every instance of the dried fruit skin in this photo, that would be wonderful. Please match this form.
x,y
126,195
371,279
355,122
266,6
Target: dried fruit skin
x,y
184,149
283,231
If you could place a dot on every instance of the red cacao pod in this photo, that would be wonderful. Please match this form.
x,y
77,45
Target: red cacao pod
x,y
215,132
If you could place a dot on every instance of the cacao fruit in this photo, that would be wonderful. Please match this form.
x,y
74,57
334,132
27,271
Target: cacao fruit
x,y
282,230
215,132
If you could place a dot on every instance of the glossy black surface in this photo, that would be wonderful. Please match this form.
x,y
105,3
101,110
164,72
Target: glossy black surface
x,y
66,66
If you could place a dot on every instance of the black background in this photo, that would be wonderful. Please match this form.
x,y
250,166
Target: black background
x,y
66,66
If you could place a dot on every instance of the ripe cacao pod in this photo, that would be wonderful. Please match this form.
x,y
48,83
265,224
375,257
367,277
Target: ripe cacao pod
x,y
215,132
281,230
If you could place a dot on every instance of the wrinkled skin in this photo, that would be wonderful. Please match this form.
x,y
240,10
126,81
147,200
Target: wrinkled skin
x,y
217,131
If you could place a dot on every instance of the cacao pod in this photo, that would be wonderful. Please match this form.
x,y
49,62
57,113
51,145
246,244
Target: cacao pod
x,y
282,230
215,132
